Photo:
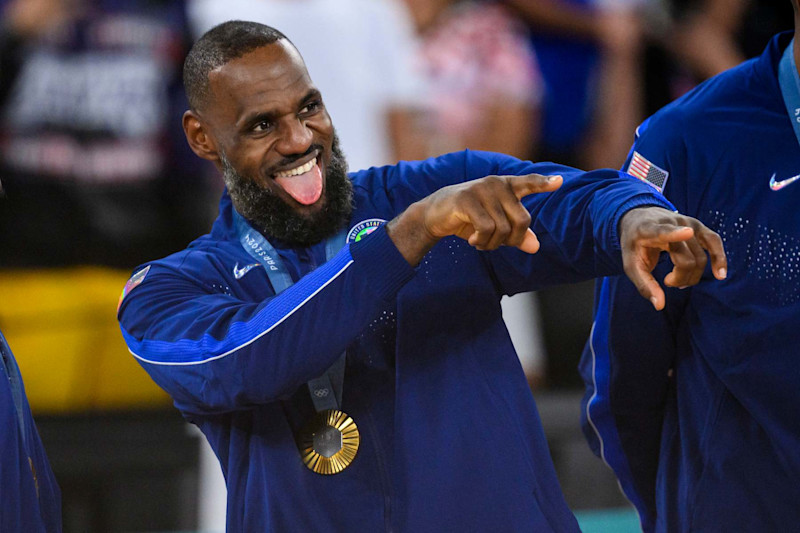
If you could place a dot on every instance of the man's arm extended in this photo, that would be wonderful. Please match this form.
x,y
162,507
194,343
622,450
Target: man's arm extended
x,y
488,213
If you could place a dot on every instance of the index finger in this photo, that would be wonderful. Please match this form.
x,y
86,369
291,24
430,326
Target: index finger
x,y
532,183
661,235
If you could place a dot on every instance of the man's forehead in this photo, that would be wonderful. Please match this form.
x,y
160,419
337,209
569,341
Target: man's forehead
x,y
279,61
269,79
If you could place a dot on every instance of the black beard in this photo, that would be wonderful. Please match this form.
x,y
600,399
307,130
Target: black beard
x,y
274,217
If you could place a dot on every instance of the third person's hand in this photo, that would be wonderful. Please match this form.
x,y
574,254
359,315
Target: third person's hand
x,y
645,232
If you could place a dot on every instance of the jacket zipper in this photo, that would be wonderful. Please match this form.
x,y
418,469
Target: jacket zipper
x,y
384,474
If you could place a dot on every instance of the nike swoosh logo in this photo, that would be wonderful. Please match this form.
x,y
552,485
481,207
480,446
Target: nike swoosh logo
x,y
778,185
238,273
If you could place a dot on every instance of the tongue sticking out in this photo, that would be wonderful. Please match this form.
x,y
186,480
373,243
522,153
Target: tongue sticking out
x,y
305,188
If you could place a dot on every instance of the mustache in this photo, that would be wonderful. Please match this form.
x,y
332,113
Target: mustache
x,y
288,160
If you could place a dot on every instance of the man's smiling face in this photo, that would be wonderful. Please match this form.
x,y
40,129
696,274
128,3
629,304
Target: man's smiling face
x,y
273,139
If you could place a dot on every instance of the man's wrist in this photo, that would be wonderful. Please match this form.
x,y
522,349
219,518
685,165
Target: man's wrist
x,y
637,202
409,235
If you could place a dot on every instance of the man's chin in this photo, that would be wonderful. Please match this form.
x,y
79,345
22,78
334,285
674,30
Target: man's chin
x,y
276,214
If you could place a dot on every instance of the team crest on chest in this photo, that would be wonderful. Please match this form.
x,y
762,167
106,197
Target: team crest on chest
x,y
364,228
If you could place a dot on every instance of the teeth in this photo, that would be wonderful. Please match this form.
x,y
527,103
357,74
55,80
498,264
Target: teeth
x,y
297,171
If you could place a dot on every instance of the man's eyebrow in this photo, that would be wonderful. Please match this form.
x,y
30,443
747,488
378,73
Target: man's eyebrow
x,y
256,117
262,116
311,95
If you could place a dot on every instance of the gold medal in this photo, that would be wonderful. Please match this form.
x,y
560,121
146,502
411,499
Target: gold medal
x,y
329,443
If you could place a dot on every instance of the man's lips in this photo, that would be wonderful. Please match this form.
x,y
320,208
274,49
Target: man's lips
x,y
302,169
291,168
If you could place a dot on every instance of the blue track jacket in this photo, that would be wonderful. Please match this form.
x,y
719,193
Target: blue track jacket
x,y
697,408
30,500
451,440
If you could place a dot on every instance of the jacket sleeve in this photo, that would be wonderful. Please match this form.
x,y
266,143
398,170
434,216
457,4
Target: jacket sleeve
x,y
626,364
215,353
576,225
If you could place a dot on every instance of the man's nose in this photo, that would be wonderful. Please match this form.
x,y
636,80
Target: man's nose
x,y
295,137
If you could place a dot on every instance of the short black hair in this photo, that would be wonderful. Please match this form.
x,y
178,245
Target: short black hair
x,y
219,45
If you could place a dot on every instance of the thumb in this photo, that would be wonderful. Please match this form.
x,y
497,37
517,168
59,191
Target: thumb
x,y
530,243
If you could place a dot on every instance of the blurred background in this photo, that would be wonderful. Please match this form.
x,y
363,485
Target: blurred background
x,y
98,179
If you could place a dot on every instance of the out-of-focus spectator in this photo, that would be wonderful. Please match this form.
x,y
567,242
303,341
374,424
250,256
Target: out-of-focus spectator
x,y
91,152
360,54
697,39
97,172
589,53
483,79
704,35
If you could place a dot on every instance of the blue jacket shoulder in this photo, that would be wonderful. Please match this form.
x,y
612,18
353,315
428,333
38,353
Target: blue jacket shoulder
x,y
737,96
204,259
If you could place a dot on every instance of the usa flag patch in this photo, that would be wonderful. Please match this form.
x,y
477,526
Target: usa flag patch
x,y
646,171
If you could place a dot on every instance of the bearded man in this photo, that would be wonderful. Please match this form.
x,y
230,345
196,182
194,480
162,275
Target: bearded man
x,y
354,374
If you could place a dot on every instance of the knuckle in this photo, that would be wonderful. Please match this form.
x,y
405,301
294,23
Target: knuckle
x,y
466,192
485,225
521,217
503,226
493,181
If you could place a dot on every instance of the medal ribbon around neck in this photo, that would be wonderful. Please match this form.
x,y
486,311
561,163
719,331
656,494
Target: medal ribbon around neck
x,y
329,442
790,86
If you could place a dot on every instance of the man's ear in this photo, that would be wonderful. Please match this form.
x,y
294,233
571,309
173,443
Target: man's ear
x,y
199,139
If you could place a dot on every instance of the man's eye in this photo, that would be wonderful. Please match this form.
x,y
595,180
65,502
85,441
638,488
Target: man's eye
x,y
264,125
311,108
